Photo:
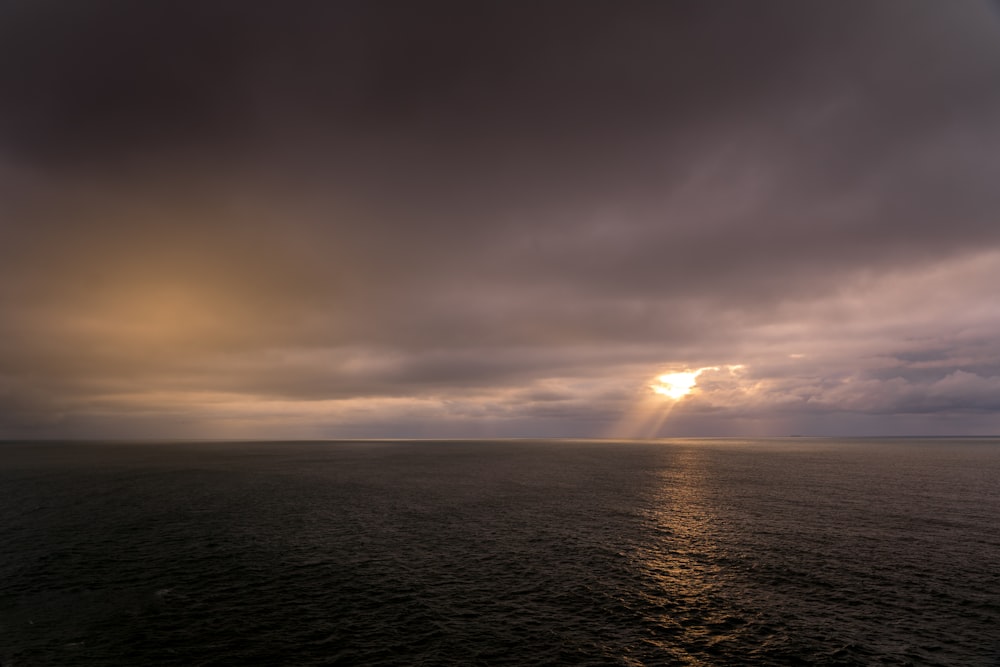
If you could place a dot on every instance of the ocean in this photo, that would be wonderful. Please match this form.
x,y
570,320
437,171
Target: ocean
x,y
793,551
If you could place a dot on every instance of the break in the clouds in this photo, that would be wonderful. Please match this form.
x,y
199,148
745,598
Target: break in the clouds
x,y
425,219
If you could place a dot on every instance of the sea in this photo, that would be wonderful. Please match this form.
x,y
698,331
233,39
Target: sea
x,y
793,551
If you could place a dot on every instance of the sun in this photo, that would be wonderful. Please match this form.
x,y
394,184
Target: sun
x,y
676,385
663,395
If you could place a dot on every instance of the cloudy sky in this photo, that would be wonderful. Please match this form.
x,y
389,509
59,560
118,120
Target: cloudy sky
x,y
481,219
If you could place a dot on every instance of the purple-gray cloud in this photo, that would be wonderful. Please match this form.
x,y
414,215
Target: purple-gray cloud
x,y
388,219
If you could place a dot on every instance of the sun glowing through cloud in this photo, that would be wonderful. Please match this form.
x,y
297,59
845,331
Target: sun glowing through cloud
x,y
676,385
663,394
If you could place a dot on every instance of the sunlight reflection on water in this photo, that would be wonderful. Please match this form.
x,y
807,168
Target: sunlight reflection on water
x,y
683,562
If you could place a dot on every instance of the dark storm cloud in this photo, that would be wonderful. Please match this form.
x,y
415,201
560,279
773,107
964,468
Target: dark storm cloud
x,y
115,76
450,202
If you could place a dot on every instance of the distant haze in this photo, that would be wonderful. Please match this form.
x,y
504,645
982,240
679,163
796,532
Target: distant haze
x,y
488,219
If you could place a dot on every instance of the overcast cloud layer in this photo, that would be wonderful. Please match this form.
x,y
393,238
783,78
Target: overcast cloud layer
x,y
428,219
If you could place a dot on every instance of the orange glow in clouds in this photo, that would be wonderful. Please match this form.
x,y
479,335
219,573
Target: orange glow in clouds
x,y
676,385
650,411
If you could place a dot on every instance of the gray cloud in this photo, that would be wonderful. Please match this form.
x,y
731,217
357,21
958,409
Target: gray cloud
x,y
391,218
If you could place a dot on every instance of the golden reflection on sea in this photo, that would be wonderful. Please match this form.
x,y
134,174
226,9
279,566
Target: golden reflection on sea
x,y
683,563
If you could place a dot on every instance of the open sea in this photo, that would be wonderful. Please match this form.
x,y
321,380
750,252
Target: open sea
x,y
792,551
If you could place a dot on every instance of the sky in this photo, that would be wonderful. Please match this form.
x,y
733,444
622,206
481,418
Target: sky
x,y
435,219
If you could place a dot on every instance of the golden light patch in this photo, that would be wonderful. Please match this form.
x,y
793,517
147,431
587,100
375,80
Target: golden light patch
x,y
663,395
676,385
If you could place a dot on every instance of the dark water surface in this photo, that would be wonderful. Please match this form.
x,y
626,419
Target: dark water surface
x,y
689,552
